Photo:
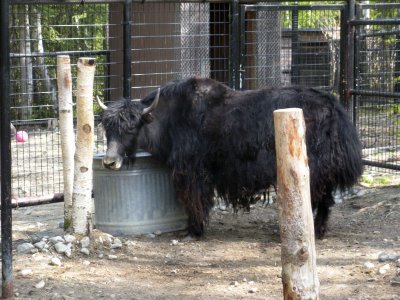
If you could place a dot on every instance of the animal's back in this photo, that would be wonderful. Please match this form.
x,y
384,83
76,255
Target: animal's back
x,y
242,152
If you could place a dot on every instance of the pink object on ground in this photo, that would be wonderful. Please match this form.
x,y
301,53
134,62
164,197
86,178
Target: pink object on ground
x,y
21,136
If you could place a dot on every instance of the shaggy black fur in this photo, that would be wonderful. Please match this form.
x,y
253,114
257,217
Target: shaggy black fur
x,y
218,139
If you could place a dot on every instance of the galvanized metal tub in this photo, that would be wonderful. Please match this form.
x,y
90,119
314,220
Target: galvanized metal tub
x,y
137,199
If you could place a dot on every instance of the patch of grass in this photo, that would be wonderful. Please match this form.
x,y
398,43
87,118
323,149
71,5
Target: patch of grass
x,y
384,180
368,179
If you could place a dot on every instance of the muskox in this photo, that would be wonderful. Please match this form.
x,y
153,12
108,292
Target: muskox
x,y
220,141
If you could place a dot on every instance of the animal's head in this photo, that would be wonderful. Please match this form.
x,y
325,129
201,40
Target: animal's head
x,y
122,122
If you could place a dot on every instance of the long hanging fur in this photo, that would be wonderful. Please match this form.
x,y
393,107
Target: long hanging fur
x,y
218,139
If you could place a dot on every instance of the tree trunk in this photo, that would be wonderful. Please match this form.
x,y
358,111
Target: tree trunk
x,y
299,272
37,36
64,80
26,64
82,190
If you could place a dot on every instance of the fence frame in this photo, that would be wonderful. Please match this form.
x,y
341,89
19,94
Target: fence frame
x,y
355,22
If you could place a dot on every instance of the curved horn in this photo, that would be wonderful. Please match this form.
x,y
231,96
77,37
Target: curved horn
x,y
100,103
153,105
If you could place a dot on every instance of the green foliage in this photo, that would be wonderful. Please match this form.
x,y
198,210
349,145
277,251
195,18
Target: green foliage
x,y
64,28
368,179
318,19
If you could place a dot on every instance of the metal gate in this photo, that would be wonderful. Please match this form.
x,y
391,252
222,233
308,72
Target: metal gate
x,y
375,30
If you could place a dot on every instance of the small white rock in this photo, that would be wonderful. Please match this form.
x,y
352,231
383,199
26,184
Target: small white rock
x,y
111,256
151,235
40,284
174,271
55,261
174,242
253,290
85,242
61,247
54,240
384,269
25,272
130,243
158,232
68,253
369,265
85,251
86,263
40,245
25,248
69,238
117,244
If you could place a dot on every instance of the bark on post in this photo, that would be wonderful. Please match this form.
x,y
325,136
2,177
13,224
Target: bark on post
x,y
299,273
82,190
64,82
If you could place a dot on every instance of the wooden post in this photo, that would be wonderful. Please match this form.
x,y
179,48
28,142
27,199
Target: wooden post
x,y
83,177
299,273
64,82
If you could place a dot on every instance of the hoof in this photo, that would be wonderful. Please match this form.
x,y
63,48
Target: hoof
x,y
320,232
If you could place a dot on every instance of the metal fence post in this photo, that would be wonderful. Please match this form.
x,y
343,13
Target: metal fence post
x,y
6,217
127,58
234,59
346,59
295,47
351,76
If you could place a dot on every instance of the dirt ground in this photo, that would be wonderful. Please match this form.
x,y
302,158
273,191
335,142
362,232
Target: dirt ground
x,y
239,258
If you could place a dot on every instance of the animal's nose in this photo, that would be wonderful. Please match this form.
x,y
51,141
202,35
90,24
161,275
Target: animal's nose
x,y
113,163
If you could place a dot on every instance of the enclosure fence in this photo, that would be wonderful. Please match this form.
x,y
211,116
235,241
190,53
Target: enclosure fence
x,y
139,46
376,88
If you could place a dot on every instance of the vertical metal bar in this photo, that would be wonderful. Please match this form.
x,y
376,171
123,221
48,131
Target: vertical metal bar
x,y
127,58
353,49
345,58
234,61
295,74
242,61
6,219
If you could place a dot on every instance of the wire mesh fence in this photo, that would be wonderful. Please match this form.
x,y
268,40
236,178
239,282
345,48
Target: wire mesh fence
x,y
292,44
156,42
377,84
39,33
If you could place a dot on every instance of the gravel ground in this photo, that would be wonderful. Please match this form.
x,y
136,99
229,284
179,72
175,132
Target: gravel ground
x,y
239,257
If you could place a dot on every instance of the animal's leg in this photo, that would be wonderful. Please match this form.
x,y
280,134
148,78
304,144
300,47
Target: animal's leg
x,y
197,198
323,211
195,225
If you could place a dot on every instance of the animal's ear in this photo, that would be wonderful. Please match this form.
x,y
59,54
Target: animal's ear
x,y
147,118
